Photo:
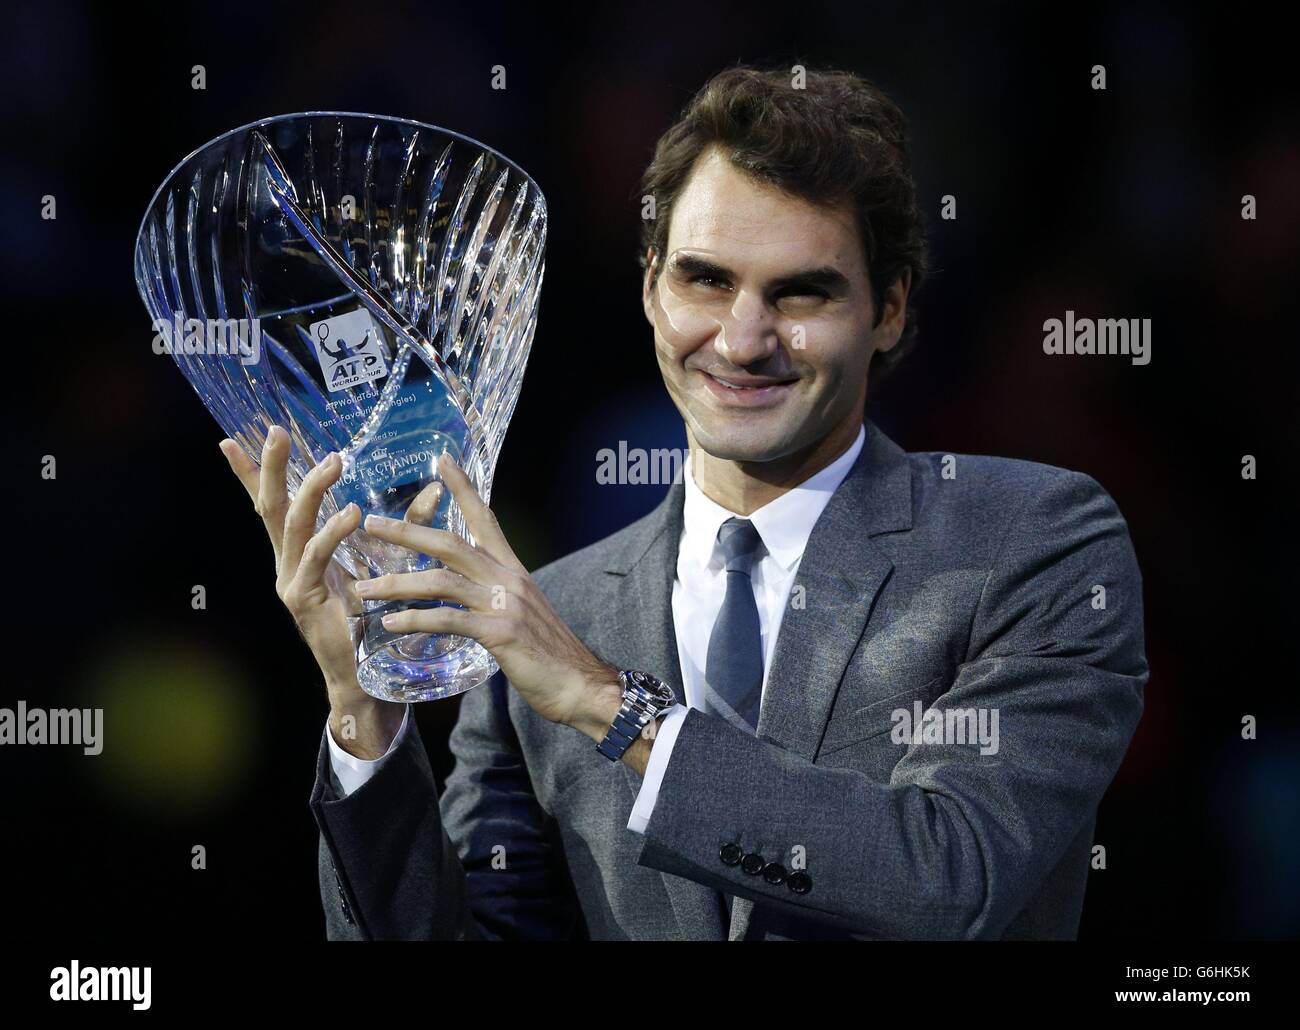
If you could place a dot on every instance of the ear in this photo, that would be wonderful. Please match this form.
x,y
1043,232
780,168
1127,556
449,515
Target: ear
x,y
890,330
647,287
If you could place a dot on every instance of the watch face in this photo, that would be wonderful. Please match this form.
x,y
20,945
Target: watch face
x,y
654,687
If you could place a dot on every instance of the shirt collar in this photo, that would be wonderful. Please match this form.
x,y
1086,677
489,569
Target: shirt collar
x,y
784,523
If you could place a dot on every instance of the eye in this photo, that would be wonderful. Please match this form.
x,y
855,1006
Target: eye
x,y
707,280
804,293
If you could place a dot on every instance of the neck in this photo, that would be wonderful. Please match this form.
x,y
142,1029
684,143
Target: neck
x,y
745,486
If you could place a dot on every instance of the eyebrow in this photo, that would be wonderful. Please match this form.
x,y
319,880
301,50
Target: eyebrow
x,y
824,276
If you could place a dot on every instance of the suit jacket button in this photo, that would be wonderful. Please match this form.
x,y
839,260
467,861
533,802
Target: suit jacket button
x,y
800,883
752,863
774,873
730,854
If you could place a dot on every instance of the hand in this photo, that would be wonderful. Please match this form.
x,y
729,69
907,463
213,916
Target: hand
x,y
503,609
316,590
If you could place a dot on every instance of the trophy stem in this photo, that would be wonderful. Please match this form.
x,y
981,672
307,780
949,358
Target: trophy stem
x,y
414,666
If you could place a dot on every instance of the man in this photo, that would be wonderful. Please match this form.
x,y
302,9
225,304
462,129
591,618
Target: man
x,y
826,689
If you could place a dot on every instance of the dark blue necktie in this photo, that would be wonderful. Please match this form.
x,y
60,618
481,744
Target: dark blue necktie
x,y
733,671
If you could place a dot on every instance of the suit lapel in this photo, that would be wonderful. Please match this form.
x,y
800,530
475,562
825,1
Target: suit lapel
x,y
839,576
647,638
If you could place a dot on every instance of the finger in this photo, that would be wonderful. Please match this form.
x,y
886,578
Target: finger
x,y
437,620
319,550
447,547
244,467
422,510
430,585
300,523
480,520
272,498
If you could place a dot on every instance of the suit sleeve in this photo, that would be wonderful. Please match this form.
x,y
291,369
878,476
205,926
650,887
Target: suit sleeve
x,y
957,841
396,864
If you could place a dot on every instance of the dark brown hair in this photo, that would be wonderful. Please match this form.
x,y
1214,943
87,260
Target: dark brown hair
x,y
837,139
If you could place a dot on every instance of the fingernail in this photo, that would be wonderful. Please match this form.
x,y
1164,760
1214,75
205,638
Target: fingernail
x,y
377,521
388,620
363,587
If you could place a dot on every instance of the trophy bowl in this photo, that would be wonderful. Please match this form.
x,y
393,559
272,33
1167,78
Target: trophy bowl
x,y
371,285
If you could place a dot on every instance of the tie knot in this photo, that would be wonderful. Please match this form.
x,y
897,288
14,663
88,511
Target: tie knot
x,y
740,542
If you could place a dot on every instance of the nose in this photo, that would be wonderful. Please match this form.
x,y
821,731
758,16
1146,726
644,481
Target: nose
x,y
749,334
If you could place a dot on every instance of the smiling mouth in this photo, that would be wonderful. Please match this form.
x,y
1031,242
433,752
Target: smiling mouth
x,y
747,384
746,391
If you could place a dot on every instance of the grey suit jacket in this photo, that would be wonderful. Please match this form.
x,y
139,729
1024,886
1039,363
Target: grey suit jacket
x,y
966,584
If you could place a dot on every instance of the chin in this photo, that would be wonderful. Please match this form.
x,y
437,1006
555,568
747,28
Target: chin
x,y
743,444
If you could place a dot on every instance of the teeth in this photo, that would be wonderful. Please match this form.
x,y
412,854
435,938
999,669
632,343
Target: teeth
x,y
734,386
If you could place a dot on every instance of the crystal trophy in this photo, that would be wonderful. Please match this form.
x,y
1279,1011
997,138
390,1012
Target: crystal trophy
x,y
370,284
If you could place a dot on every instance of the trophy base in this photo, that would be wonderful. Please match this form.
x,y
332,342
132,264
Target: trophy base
x,y
418,666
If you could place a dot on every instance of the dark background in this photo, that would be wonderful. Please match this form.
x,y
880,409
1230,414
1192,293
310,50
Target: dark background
x,y
1122,203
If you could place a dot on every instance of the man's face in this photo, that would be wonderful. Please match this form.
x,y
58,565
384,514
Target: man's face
x,y
762,315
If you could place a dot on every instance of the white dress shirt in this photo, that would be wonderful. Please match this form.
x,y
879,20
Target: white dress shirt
x,y
783,524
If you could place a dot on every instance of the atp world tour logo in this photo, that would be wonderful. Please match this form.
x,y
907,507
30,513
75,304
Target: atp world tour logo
x,y
349,349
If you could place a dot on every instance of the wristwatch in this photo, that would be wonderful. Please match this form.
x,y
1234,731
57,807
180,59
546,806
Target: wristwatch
x,y
644,700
